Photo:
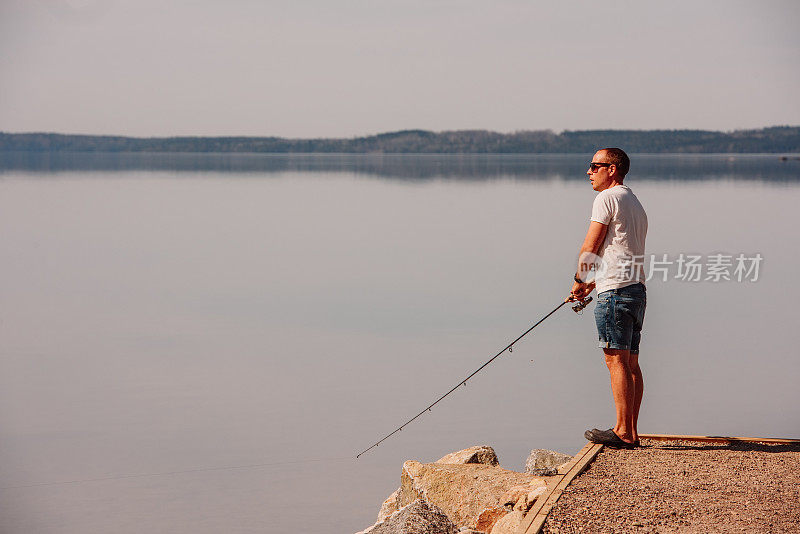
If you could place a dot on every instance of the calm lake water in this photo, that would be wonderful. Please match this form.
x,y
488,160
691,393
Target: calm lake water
x,y
202,343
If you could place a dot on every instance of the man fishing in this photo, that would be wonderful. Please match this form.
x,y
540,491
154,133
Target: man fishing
x,y
611,260
612,254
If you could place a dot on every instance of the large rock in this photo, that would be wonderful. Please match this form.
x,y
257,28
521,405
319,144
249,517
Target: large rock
x,y
480,454
542,462
463,492
417,517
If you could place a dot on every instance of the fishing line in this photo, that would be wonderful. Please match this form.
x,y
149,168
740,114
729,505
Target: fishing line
x,y
510,348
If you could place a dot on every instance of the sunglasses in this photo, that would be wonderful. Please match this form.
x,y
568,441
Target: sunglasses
x,y
594,166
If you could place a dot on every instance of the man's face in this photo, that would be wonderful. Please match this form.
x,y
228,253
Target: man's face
x,y
602,176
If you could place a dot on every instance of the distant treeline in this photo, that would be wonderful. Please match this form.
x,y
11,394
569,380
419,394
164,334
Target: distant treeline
x,y
776,139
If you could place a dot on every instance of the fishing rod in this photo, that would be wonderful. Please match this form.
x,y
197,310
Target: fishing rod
x,y
577,308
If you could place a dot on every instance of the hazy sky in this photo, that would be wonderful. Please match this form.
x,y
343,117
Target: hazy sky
x,y
353,67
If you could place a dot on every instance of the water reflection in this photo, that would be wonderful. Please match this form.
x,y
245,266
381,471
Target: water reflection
x,y
463,167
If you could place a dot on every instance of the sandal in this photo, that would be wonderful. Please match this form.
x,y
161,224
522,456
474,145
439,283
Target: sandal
x,y
608,438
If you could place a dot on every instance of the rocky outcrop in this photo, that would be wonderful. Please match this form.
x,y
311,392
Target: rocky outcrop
x,y
542,462
479,454
482,454
469,490
463,492
417,517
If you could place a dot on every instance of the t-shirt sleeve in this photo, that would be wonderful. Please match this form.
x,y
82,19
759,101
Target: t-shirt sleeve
x,y
602,208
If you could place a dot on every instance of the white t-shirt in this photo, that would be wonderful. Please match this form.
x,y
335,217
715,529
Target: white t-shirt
x,y
622,251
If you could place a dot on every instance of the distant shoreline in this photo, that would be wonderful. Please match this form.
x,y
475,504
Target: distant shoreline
x,y
769,167
771,140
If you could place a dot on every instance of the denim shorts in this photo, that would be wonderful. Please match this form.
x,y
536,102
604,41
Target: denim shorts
x,y
619,315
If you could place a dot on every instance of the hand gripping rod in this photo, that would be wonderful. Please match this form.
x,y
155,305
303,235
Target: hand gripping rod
x,y
509,348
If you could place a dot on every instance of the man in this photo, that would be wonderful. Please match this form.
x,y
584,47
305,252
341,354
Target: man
x,y
616,235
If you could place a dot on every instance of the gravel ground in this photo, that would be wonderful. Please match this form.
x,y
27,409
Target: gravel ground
x,y
682,486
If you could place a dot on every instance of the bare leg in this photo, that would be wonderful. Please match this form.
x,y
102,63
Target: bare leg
x,y
622,389
638,392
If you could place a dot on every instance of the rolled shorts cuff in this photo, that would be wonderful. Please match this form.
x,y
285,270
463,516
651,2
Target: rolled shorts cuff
x,y
616,346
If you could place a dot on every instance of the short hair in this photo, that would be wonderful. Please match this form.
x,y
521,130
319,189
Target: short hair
x,y
619,158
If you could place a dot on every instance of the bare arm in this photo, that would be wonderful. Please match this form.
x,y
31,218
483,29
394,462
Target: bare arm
x,y
595,237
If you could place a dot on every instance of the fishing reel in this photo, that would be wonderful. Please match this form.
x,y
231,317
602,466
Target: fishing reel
x,y
578,308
